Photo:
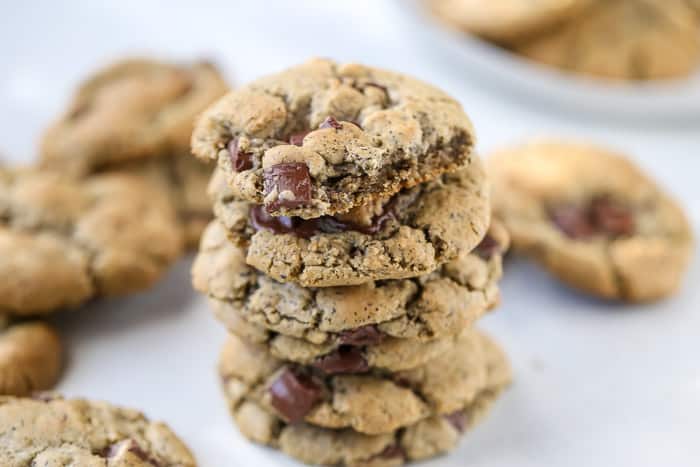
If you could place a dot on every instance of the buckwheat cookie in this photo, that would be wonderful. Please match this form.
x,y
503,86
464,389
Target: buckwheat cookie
x,y
132,109
31,357
64,242
505,21
623,39
592,218
435,305
322,138
372,403
409,234
50,431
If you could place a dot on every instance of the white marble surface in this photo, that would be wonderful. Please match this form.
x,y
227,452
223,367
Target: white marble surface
x,y
596,384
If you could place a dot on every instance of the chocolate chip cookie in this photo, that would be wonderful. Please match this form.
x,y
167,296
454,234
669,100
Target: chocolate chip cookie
x,y
592,218
31,357
134,109
322,138
505,21
52,431
63,242
623,39
409,234
371,403
434,305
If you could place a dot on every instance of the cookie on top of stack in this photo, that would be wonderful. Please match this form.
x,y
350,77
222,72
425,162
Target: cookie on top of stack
x,y
351,253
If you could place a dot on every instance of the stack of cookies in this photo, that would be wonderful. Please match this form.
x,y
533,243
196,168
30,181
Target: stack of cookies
x,y
350,256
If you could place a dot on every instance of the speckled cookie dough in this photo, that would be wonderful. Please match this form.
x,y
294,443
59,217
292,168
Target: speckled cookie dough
x,y
371,403
63,243
31,357
50,431
435,305
623,39
322,138
592,218
133,109
410,234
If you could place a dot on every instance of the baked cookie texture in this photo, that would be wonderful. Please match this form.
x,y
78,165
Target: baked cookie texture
x,y
408,235
428,409
133,109
505,21
623,39
438,304
31,357
52,431
322,138
64,242
592,218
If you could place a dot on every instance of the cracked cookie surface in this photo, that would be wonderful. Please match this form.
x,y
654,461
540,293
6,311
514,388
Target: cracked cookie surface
x,y
592,218
31,357
505,21
374,403
321,138
435,305
412,233
133,109
623,39
54,431
64,242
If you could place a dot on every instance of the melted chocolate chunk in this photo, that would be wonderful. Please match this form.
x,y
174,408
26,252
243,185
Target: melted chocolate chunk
x,y
240,160
331,122
458,420
601,215
345,359
294,395
128,445
390,452
365,335
487,248
297,139
572,220
291,181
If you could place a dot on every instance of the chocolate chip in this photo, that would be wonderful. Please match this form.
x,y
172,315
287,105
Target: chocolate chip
x,y
297,139
365,335
572,220
331,122
458,420
610,217
239,160
291,181
345,359
294,395
390,452
487,247
131,446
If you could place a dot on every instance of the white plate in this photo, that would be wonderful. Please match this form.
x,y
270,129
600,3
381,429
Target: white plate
x,y
677,99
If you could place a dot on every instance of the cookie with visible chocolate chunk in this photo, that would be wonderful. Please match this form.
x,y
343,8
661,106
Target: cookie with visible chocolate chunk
x,y
31,357
435,305
592,218
64,242
623,39
322,138
51,431
373,403
505,21
409,234
133,109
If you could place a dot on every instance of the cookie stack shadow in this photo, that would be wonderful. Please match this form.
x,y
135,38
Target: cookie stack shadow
x,y
352,338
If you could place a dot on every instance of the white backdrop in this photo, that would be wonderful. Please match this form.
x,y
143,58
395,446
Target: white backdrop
x,y
595,384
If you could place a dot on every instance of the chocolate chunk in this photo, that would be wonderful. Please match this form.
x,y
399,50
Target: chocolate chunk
x,y
297,139
131,446
390,452
610,217
331,122
291,181
294,395
365,335
345,359
487,247
240,160
572,220
458,420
